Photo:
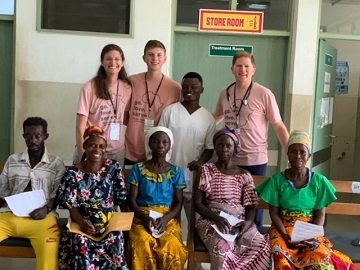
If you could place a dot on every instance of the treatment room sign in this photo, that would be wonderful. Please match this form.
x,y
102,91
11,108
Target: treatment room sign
x,y
230,21
224,50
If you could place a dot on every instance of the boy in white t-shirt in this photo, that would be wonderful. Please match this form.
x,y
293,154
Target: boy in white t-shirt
x,y
193,128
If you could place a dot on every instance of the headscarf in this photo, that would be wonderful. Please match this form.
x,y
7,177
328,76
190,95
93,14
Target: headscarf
x,y
299,136
150,132
232,135
93,131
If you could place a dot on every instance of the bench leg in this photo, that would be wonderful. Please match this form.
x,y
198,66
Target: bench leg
x,y
191,263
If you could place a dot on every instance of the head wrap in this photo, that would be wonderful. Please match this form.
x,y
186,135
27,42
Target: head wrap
x,y
230,133
93,131
150,132
299,136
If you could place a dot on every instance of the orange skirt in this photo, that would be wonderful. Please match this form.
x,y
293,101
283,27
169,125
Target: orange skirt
x,y
319,256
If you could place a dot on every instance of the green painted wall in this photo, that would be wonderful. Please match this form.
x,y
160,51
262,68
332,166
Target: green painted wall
x,y
6,78
191,53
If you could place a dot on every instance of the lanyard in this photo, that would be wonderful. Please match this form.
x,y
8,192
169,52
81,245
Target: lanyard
x,y
147,91
116,102
244,100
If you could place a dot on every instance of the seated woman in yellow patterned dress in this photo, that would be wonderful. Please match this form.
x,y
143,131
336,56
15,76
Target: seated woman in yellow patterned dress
x,y
300,194
156,186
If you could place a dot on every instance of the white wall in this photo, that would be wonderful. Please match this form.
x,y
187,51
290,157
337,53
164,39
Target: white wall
x,y
51,67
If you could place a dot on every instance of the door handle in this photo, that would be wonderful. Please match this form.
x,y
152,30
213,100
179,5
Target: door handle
x,y
332,139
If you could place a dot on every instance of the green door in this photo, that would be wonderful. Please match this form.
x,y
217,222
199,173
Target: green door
x,y
6,79
323,111
192,53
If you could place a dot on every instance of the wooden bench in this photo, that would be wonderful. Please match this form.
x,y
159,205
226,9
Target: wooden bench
x,y
342,240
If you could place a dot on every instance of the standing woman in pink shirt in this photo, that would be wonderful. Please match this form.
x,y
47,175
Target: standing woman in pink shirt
x,y
104,102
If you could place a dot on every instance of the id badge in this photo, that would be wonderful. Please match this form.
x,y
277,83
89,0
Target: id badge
x,y
237,125
148,123
114,131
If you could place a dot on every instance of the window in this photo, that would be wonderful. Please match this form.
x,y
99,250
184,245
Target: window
x,y
188,10
276,12
108,16
340,17
7,7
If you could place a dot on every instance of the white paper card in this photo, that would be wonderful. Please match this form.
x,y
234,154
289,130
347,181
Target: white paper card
x,y
227,236
23,204
155,215
305,231
355,186
230,218
232,221
114,131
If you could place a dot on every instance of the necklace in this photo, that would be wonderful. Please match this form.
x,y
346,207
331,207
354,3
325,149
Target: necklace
x,y
243,102
148,94
116,99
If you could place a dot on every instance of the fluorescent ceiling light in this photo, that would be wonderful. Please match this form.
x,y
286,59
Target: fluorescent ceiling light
x,y
258,6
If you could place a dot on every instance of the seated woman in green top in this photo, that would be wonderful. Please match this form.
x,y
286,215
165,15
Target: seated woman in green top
x,y
300,194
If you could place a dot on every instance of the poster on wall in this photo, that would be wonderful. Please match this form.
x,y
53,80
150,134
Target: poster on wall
x,y
327,81
331,110
324,111
342,78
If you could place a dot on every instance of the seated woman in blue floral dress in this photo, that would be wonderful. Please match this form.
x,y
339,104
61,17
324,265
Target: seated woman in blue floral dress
x,y
157,185
90,190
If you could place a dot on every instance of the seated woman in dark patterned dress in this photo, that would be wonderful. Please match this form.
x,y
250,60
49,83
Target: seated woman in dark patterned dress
x,y
226,188
90,190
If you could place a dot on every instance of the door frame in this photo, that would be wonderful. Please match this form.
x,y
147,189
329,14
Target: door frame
x,y
7,76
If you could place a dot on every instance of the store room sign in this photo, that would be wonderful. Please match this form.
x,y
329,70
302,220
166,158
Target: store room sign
x,y
230,21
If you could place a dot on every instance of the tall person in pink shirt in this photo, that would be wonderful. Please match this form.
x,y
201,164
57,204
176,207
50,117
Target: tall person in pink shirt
x,y
248,108
152,92
104,101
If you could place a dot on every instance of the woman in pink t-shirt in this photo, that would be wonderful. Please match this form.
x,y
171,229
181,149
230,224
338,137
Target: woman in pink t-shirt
x,y
104,102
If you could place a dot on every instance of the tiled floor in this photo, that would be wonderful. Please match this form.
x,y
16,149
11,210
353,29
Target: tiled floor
x,y
333,223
